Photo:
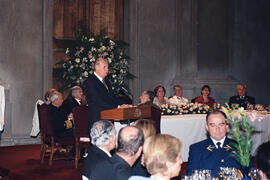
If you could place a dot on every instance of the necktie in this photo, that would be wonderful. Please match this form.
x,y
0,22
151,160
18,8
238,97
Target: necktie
x,y
218,145
103,81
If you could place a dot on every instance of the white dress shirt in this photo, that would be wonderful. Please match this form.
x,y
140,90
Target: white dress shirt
x,y
221,141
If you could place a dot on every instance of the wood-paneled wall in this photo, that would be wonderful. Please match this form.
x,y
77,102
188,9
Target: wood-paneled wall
x,y
96,15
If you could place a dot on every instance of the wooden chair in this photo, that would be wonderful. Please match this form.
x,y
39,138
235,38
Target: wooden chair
x,y
47,134
81,130
156,116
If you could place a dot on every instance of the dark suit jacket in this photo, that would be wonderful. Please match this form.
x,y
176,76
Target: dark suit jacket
x,y
138,169
121,169
68,105
97,165
204,155
58,122
242,102
99,98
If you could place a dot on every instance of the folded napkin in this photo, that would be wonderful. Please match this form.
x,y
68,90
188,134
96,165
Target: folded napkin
x,y
35,128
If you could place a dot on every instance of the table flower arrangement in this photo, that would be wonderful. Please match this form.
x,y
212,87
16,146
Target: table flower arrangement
x,y
83,54
240,131
185,108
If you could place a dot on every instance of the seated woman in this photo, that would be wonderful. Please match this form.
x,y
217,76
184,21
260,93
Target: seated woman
x,y
160,98
263,160
148,128
204,98
162,157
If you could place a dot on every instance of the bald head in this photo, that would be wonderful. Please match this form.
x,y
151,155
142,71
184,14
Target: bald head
x,y
130,139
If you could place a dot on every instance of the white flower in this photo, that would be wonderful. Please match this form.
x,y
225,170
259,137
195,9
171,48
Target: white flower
x,y
103,48
91,39
85,73
78,60
67,51
112,43
109,60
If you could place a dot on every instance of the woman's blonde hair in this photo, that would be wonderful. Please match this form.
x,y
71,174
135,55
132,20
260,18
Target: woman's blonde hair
x,y
147,126
158,150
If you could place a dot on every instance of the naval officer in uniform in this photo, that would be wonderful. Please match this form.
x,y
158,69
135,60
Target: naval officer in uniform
x,y
214,152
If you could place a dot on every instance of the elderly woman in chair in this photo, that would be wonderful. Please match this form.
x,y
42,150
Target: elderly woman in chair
x,y
160,98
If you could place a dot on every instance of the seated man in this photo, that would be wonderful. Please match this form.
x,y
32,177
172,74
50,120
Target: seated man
x,y
130,141
62,124
214,152
147,98
177,98
103,138
241,98
129,148
76,100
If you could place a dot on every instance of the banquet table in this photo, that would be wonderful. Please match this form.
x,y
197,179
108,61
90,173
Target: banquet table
x,y
191,129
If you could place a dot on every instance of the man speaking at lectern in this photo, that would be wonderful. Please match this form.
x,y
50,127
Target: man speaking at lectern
x,y
99,92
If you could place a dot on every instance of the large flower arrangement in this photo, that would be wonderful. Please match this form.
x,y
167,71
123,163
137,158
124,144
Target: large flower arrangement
x,y
83,54
185,108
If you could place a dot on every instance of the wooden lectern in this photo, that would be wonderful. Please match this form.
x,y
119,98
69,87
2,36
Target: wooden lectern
x,y
122,114
128,114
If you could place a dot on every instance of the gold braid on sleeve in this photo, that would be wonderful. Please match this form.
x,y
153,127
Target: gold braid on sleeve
x,y
68,124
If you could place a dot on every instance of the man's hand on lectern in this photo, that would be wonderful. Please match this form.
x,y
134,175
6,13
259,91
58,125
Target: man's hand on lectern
x,y
125,106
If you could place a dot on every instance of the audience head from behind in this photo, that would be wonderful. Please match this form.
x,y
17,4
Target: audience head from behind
x,y
48,95
263,160
103,135
147,126
77,93
129,146
177,90
241,89
162,156
147,96
216,124
56,99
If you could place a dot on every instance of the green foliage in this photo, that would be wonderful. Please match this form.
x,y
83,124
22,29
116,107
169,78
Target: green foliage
x,y
83,54
240,131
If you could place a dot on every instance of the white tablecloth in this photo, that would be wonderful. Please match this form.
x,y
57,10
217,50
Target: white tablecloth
x,y
191,129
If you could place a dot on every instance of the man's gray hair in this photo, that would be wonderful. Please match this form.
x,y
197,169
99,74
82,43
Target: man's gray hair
x,y
54,96
101,133
74,89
